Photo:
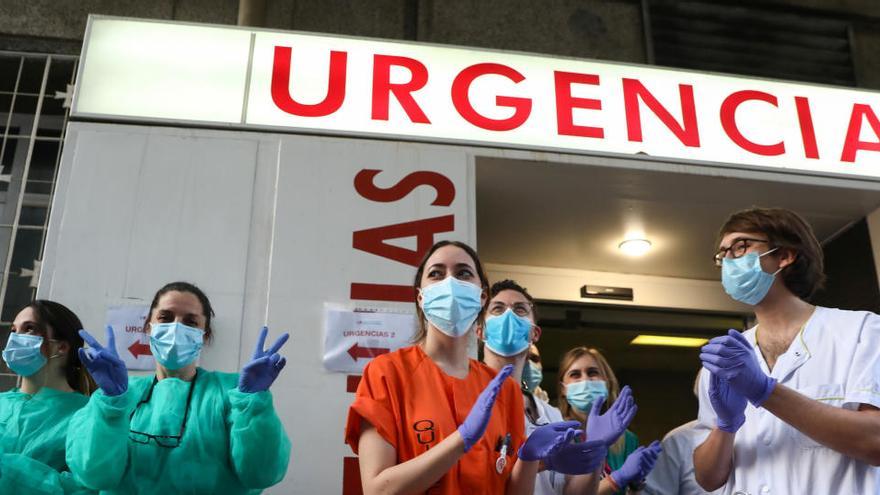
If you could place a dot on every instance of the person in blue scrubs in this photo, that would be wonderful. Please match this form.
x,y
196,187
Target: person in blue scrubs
x,y
184,429
42,350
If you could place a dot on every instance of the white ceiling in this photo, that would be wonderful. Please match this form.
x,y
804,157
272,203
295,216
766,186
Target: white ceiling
x,y
574,216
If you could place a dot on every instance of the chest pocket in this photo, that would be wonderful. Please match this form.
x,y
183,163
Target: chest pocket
x,y
830,394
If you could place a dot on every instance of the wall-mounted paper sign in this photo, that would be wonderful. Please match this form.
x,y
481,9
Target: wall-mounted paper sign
x,y
132,343
352,337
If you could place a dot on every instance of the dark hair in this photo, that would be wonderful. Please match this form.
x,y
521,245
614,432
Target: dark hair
x,y
787,230
508,284
422,330
207,310
60,323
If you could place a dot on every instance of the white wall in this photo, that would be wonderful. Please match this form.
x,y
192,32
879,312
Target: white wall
x,y
264,224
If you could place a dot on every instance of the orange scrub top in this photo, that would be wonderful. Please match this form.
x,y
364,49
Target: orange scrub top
x,y
414,405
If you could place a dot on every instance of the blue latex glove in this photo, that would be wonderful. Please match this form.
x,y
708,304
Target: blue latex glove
x,y
104,364
729,406
263,369
609,426
548,439
637,466
732,358
578,457
476,421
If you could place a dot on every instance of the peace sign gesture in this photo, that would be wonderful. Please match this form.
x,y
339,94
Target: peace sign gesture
x,y
104,364
263,369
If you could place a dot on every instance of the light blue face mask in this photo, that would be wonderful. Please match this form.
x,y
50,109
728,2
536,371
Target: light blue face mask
x,y
22,354
532,376
744,280
581,395
175,345
452,305
507,334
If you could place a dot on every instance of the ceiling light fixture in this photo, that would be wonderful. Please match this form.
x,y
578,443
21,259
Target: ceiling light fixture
x,y
635,247
668,341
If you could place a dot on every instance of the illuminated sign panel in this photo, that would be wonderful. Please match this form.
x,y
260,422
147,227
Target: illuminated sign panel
x,y
142,70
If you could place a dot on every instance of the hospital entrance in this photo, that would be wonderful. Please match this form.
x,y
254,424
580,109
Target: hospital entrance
x,y
558,229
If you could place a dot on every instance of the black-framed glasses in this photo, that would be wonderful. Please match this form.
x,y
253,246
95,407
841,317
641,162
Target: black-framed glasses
x,y
166,441
519,309
737,249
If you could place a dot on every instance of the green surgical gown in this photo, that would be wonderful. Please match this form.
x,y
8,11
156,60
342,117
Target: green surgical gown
x,y
33,429
232,442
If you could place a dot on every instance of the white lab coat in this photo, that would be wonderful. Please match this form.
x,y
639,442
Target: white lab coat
x,y
835,359
674,472
547,482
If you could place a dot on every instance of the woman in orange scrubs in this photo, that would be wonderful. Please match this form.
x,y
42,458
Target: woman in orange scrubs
x,y
426,418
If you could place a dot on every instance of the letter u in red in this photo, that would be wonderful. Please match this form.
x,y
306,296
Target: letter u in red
x,y
282,98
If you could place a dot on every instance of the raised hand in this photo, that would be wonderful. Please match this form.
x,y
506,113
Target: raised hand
x,y
609,426
548,439
265,365
729,405
732,358
637,466
476,421
578,457
104,364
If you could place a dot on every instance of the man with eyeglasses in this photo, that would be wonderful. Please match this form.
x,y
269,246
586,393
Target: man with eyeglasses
x,y
509,330
793,403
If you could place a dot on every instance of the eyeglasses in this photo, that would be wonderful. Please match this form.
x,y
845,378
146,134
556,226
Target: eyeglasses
x,y
736,250
166,441
519,309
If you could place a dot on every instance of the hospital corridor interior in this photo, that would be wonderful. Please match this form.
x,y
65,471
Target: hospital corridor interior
x,y
557,227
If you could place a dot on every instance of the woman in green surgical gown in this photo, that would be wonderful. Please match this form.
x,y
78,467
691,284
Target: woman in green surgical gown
x,y
185,429
42,350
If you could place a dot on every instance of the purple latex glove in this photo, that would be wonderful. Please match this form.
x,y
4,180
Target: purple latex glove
x,y
609,426
104,364
578,457
732,358
729,406
263,369
548,439
476,421
637,466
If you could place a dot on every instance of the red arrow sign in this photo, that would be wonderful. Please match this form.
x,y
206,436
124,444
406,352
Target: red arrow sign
x,y
357,351
139,349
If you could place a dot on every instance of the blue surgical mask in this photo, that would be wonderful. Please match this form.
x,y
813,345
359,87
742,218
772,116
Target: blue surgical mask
x,y
452,305
507,334
22,354
744,280
581,395
532,375
175,345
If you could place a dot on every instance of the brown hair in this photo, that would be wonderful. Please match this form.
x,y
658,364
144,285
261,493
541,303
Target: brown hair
x,y
422,330
508,284
207,310
64,326
785,229
572,414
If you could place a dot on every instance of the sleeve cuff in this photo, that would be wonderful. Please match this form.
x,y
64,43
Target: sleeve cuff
x,y
864,395
112,406
370,410
250,402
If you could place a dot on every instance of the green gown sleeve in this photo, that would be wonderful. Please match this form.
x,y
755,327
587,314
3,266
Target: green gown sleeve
x,y
20,474
97,440
259,447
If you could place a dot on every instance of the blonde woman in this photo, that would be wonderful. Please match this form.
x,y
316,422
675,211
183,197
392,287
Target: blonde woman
x,y
587,387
